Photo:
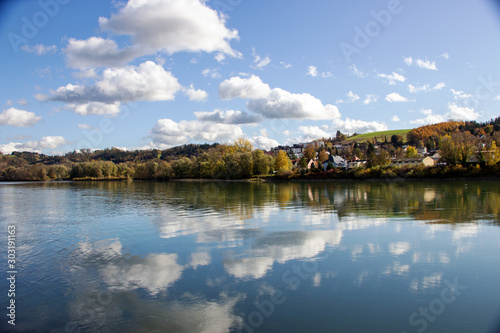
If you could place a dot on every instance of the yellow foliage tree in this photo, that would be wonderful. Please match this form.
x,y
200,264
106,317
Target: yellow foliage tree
x,y
282,162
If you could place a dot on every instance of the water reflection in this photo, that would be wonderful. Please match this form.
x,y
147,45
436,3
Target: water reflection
x,y
198,256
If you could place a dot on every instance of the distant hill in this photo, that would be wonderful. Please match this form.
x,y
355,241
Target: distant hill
x,y
379,135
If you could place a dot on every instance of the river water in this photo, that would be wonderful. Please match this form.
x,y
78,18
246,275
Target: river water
x,y
252,257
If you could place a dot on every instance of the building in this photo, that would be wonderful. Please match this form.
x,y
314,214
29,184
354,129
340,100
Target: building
x,y
414,161
337,161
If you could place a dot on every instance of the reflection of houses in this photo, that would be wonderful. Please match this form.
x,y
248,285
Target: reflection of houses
x,y
337,161
414,161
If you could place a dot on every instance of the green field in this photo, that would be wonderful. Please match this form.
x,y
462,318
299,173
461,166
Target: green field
x,y
380,135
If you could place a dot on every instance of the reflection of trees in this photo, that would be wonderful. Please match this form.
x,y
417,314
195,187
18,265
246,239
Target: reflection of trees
x,y
438,202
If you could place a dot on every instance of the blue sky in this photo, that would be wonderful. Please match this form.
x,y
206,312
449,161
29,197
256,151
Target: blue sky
x,y
142,74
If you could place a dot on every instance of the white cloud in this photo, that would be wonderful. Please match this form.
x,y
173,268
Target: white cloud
x,y
314,132
312,71
97,108
96,52
275,103
211,72
461,113
352,97
430,118
220,57
228,117
260,63
285,65
445,55
439,86
393,78
358,126
283,104
47,142
167,132
425,64
425,88
39,49
84,126
263,142
147,82
20,118
155,25
412,89
196,94
460,94
370,98
496,98
395,97
237,87
357,72
395,118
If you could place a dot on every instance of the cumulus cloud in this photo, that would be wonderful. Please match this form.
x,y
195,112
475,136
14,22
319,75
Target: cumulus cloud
x,y
245,88
461,113
358,126
395,118
228,117
275,103
155,25
310,133
47,142
147,82
263,142
283,104
195,94
19,118
425,64
430,118
393,78
167,132
395,97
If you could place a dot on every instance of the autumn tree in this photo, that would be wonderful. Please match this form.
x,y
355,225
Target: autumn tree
x,y
411,152
323,156
282,162
310,152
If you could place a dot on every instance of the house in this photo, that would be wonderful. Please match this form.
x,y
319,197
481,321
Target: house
x,y
337,161
436,157
414,161
355,163
311,163
422,151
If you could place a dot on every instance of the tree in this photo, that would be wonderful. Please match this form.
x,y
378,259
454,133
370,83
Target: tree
x,y
243,145
282,162
310,152
411,152
449,151
323,156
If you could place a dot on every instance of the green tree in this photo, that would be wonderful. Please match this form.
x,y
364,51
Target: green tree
x,y
411,152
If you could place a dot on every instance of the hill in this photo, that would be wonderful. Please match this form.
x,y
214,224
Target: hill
x,y
379,135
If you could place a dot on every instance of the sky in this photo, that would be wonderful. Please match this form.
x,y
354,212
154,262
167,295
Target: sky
x,y
144,74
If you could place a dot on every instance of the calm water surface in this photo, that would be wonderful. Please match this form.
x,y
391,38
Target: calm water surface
x,y
241,257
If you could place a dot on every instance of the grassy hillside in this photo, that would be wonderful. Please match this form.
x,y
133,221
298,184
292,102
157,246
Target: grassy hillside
x,y
380,135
